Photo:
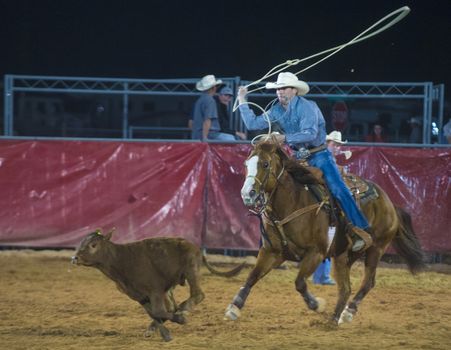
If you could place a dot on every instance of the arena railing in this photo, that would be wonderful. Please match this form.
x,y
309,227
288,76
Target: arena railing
x,y
426,92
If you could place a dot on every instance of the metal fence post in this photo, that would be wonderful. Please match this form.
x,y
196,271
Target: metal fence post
x,y
429,113
125,112
8,108
441,98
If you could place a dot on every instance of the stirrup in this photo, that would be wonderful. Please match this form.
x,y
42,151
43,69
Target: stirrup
x,y
358,245
361,239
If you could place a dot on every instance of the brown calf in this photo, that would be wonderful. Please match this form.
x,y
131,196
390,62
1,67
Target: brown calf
x,y
148,270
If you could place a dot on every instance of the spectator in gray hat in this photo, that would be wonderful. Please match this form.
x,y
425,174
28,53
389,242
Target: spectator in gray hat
x,y
205,125
223,99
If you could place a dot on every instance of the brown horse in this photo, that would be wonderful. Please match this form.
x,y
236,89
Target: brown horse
x,y
295,221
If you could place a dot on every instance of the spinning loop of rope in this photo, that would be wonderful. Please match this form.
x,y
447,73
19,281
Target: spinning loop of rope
x,y
366,34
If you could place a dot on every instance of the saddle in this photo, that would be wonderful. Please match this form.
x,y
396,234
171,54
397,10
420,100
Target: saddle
x,y
362,190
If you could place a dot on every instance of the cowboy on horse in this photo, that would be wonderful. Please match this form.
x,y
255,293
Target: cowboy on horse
x,y
285,196
305,133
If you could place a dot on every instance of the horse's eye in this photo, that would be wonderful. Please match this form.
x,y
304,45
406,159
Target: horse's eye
x,y
265,164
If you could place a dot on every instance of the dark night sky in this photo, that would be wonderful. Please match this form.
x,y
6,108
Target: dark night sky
x,y
178,39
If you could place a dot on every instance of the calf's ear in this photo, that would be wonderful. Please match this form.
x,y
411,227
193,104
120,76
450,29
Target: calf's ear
x,y
110,233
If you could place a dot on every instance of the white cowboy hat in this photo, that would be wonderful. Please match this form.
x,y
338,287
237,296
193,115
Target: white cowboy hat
x,y
287,79
207,82
335,136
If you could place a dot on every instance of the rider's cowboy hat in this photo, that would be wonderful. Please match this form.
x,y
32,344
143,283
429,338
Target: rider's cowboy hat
x,y
207,82
287,79
335,136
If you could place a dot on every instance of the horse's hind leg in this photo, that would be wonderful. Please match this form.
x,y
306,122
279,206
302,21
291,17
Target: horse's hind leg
x,y
373,255
266,260
342,269
307,266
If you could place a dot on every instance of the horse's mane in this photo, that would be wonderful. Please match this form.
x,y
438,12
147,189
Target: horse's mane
x,y
298,172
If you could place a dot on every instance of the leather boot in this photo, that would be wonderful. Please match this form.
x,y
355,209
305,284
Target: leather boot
x,y
361,239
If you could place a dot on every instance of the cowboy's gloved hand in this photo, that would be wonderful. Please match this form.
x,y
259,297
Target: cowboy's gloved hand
x,y
242,92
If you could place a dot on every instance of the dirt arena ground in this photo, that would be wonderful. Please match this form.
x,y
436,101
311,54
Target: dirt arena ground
x,y
45,303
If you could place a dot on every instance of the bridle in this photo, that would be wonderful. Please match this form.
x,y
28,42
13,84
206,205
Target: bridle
x,y
262,199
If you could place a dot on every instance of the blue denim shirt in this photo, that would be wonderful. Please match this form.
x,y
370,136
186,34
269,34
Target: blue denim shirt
x,y
302,122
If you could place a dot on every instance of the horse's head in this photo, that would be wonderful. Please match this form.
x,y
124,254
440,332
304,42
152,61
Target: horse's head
x,y
264,166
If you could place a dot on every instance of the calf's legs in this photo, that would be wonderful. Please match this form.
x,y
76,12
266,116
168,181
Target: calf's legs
x,y
196,294
157,307
156,324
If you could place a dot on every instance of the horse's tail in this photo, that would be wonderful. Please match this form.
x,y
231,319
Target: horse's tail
x,y
406,243
235,271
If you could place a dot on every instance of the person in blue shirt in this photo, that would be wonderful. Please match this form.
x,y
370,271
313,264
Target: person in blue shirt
x,y
304,130
205,124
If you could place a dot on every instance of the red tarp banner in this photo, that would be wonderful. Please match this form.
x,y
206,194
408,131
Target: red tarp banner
x,y
55,192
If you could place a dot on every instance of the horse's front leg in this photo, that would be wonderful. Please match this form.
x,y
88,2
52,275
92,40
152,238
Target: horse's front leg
x,y
266,260
307,266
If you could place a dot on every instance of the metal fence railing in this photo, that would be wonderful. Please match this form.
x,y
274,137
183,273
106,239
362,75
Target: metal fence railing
x,y
86,106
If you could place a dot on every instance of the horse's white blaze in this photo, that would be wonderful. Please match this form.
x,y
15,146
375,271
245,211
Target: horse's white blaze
x,y
251,166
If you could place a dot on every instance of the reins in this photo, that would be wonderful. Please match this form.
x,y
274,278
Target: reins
x,y
259,213
279,224
300,212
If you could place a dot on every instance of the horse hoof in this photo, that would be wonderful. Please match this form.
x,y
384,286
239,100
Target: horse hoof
x,y
346,316
321,305
232,313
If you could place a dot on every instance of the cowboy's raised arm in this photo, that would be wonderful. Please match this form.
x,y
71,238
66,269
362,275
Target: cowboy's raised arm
x,y
248,116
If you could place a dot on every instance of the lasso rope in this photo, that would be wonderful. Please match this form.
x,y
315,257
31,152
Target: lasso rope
x,y
401,13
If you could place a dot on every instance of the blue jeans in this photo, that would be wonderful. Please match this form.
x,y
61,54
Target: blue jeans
x,y
220,136
322,273
326,162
